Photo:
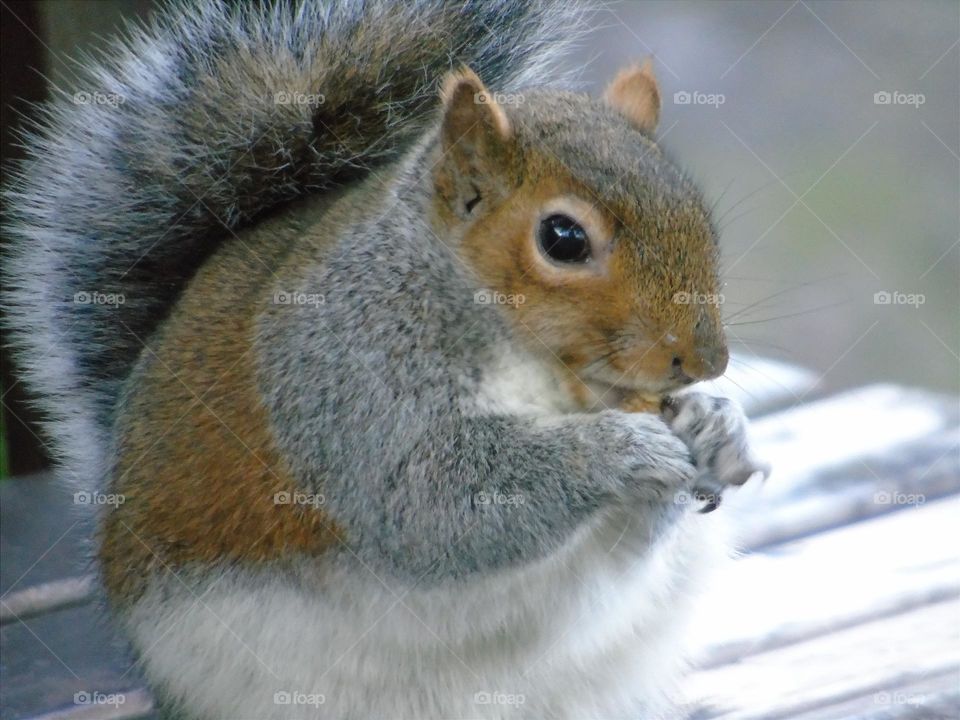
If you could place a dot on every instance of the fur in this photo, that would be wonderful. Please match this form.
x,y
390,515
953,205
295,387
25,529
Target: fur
x,y
591,632
208,118
499,581
483,528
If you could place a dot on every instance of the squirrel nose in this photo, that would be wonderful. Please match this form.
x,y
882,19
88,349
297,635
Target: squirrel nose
x,y
705,363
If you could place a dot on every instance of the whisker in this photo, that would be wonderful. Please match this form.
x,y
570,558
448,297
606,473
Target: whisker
x,y
716,203
780,293
593,364
790,315
748,343
748,196
765,375
725,223
741,387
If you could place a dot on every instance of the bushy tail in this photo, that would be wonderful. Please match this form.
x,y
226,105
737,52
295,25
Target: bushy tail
x,y
193,127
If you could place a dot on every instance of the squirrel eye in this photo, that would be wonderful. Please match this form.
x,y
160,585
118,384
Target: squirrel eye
x,y
563,239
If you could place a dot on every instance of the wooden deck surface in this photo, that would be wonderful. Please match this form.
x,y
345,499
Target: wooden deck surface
x,y
844,604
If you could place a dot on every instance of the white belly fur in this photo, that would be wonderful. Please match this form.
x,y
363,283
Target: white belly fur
x,y
592,632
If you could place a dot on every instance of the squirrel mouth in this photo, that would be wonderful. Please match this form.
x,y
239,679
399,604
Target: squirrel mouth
x,y
625,388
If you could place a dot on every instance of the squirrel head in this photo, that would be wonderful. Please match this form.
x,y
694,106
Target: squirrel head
x,y
565,207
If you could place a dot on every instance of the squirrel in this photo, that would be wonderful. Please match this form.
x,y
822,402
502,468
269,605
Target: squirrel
x,y
374,331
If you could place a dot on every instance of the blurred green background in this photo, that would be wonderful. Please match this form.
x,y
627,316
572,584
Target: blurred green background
x,y
825,196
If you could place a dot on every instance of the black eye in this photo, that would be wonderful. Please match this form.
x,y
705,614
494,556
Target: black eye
x,y
563,239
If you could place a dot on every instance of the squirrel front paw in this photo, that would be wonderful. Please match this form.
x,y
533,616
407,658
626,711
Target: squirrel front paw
x,y
654,464
715,431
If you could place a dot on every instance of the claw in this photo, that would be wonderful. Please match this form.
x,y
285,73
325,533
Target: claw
x,y
712,504
668,408
710,498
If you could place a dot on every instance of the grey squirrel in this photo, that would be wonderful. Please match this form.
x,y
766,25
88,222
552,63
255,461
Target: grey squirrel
x,y
377,336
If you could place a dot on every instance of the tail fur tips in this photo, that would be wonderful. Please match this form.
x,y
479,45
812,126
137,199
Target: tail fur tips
x,y
193,126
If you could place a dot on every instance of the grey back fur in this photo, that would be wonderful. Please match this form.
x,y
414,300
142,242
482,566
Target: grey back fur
x,y
199,124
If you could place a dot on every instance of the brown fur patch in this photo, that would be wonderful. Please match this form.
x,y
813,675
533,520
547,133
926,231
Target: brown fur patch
x,y
196,463
568,312
620,305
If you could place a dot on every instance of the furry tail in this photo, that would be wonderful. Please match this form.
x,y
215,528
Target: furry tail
x,y
196,125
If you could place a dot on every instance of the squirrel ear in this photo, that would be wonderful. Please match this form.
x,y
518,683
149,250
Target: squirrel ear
x,y
634,93
474,133
471,113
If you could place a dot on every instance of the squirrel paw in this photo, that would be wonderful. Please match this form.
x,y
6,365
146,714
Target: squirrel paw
x,y
715,431
654,463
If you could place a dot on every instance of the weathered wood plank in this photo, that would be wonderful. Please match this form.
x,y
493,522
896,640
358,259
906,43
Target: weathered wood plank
x,y
820,584
44,534
19,605
934,698
49,659
866,661
55,639
133,704
859,454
